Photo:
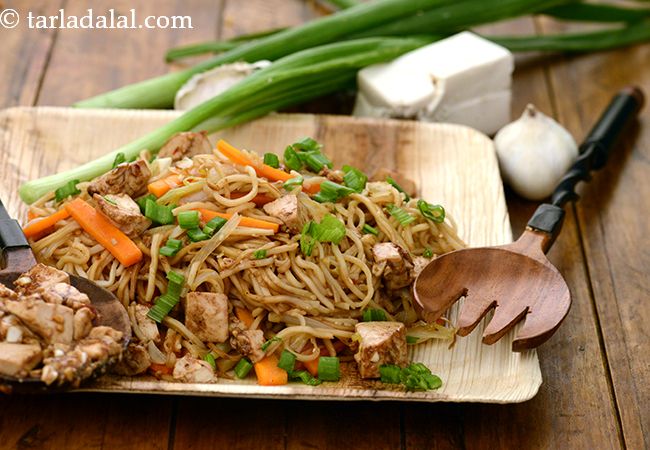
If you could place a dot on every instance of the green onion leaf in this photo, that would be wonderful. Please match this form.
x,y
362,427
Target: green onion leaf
x,y
293,182
161,308
268,343
332,192
174,243
435,213
305,377
315,161
329,368
374,315
287,361
291,159
108,200
67,190
402,216
175,278
393,183
330,229
214,225
259,254
412,340
119,159
168,251
162,215
307,242
390,374
427,253
210,359
142,201
242,368
197,235
271,159
189,219
370,230
307,144
354,178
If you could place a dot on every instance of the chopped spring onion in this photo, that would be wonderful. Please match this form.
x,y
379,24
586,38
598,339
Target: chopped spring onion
x,y
242,368
209,358
197,235
305,377
166,302
370,230
259,254
293,182
399,188
189,219
427,253
374,315
67,190
416,376
329,368
315,160
354,178
432,212
402,216
307,144
162,215
411,340
174,243
271,159
330,229
108,200
287,361
332,192
119,159
142,201
390,374
171,247
291,160
214,225
175,278
268,343
168,251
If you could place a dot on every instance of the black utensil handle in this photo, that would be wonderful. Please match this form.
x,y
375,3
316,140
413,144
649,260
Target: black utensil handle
x,y
12,240
594,152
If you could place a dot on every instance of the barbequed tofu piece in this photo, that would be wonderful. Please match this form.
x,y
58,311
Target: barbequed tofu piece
x,y
393,264
135,360
54,323
65,294
39,278
192,370
128,178
287,209
380,343
186,145
123,212
206,315
16,360
247,342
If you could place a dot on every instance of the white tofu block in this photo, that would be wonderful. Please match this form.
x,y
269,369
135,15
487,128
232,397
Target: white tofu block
x,y
487,114
463,74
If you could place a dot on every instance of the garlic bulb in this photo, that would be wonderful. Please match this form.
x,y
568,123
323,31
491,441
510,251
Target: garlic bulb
x,y
534,153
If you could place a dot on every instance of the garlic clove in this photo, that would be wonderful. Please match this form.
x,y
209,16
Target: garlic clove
x,y
534,153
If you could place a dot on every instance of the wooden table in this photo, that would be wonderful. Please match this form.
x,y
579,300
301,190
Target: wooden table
x,y
596,368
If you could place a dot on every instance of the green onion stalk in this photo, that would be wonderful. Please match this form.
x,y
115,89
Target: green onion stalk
x,y
296,78
159,92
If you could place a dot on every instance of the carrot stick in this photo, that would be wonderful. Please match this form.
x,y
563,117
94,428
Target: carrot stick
x,y
245,316
312,366
207,215
36,228
268,373
162,186
104,232
240,158
312,188
161,368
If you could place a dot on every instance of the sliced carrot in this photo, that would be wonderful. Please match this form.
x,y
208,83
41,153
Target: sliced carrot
x,y
31,216
162,186
207,215
312,366
268,373
103,231
259,199
36,228
262,170
244,315
312,188
161,368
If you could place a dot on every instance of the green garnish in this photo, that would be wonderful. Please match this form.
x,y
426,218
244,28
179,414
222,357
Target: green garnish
x,y
374,315
67,190
329,368
214,225
402,216
415,377
159,214
259,254
393,183
305,377
142,201
188,220
291,160
242,368
287,361
166,302
412,340
171,247
330,229
427,253
271,159
268,343
432,212
210,359
354,178
108,200
197,235
370,230
293,182
119,159
332,192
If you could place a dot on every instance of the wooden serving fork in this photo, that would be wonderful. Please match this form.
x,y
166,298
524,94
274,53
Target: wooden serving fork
x,y
517,280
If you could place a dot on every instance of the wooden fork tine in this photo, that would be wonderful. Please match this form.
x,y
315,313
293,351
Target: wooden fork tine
x,y
473,310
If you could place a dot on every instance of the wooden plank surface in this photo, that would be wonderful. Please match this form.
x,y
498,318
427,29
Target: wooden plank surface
x,y
596,374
